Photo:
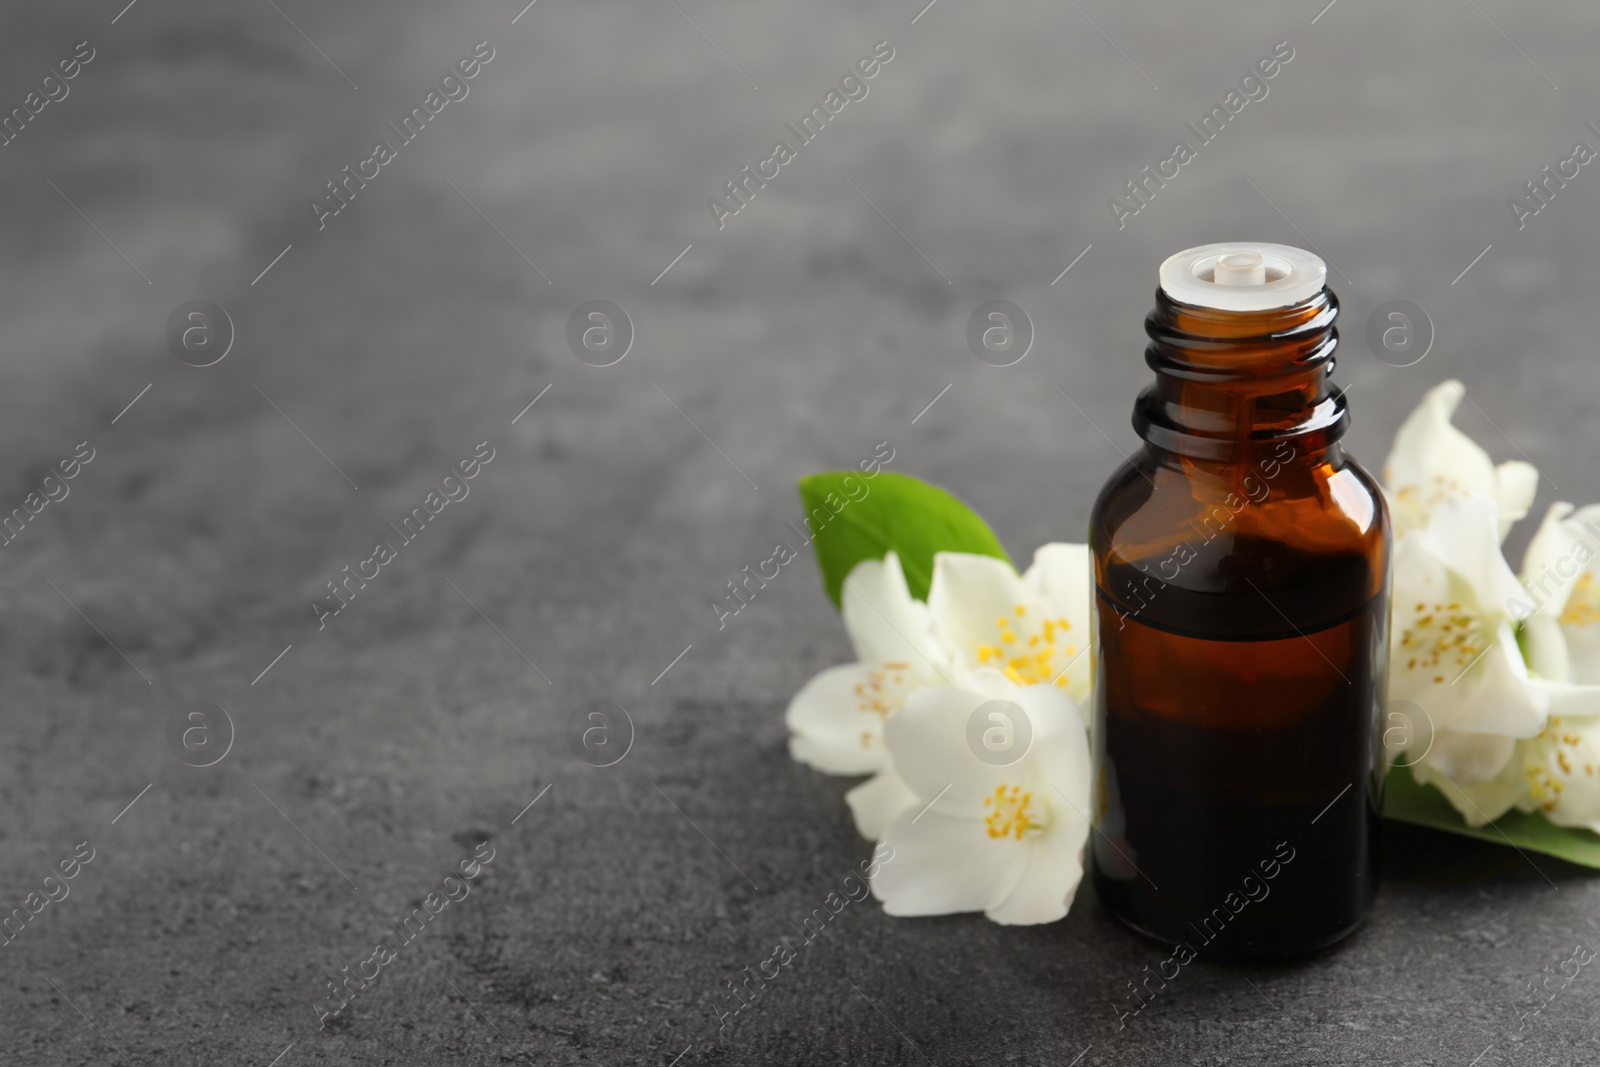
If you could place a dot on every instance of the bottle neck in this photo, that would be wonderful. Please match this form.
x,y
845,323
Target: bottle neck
x,y
1232,386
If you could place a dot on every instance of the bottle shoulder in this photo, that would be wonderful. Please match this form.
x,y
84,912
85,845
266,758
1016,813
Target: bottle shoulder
x,y
1283,527
1327,500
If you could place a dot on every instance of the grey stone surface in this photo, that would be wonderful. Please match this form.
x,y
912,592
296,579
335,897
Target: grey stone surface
x,y
378,751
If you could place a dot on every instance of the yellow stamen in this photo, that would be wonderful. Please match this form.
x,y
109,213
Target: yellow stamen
x,y
1010,813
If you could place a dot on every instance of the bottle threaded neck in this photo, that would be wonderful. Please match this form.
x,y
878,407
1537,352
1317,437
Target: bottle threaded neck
x,y
1232,383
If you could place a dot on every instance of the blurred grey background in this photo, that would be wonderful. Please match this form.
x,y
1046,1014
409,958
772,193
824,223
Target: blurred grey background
x,y
370,356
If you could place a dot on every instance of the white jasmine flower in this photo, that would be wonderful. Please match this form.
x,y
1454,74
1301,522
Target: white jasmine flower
x,y
1562,631
1453,646
1561,771
1033,628
1433,462
1454,653
1557,772
1004,840
836,720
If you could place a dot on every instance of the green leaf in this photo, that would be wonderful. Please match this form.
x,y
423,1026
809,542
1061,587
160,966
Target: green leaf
x,y
1407,800
896,513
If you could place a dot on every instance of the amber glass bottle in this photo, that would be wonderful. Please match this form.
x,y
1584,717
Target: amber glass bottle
x,y
1241,569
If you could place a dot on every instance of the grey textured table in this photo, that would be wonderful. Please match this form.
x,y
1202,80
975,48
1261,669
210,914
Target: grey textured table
x,y
374,753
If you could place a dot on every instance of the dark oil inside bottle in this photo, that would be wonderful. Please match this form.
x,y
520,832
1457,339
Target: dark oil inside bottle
x,y
1241,629
1231,786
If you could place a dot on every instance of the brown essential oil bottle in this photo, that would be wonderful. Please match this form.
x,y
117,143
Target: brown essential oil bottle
x,y
1241,564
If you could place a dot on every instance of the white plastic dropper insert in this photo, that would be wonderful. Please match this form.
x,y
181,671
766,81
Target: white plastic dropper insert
x,y
1243,276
